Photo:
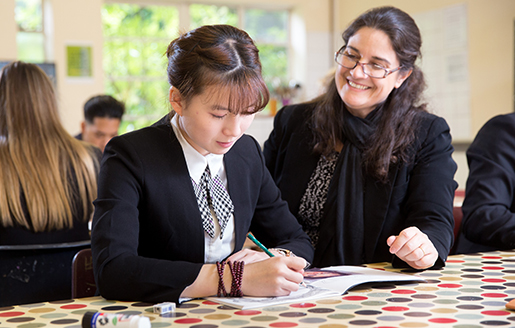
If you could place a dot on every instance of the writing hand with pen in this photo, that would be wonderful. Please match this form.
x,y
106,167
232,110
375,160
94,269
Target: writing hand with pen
x,y
268,272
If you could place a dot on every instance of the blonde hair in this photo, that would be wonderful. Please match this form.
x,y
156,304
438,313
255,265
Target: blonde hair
x,y
47,176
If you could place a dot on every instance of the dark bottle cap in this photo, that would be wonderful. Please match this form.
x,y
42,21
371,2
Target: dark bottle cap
x,y
86,319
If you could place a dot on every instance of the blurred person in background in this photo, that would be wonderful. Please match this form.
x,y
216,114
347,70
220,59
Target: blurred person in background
x,y
102,117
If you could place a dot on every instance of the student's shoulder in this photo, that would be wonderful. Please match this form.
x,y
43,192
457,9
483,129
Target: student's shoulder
x,y
246,144
150,132
148,138
496,136
500,124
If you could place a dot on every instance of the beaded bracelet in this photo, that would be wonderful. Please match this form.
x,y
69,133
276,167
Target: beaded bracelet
x,y
237,274
220,266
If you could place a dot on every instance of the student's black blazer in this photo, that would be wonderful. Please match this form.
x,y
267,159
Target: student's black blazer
x,y
489,205
147,237
418,194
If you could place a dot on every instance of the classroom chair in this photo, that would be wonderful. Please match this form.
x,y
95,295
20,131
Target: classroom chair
x,y
458,216
37,273
83,280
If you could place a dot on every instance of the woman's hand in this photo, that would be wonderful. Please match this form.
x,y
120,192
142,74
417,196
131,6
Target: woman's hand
x,y
248,256
413,247
277,276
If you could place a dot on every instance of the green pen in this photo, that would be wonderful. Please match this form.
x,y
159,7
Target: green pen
x,y
255,241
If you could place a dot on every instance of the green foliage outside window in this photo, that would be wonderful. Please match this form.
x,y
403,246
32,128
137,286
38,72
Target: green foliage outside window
x,y
136,38
135,42
28,15
30,39
267,25
211,14
269,29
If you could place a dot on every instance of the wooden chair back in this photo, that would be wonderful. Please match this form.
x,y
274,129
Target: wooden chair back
x,y
83,280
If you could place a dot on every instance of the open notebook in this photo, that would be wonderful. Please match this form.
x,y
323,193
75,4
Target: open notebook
x,y
321,283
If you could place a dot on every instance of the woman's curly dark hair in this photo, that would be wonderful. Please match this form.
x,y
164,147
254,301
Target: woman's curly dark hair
x,y
400,113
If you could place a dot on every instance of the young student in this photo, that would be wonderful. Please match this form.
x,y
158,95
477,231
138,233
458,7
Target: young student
x,y
158,235
102,117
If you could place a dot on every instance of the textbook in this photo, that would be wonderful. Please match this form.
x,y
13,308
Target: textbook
x,y
321,283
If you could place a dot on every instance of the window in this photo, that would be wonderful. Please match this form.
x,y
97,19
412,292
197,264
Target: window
x,y
269,29
212,14
135,42
136,38
30,38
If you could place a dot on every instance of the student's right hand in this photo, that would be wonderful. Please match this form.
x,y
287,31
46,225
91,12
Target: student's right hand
x,y
276,276
248,256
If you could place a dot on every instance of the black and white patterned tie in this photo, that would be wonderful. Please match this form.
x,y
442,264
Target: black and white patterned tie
x,y
211,193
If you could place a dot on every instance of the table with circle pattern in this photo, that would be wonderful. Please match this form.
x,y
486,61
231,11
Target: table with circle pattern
x,y
470,291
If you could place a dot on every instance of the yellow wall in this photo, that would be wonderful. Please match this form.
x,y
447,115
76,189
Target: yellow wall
x,y
7,30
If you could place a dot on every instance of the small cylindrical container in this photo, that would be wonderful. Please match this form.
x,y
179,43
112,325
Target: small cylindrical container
x,y
110,320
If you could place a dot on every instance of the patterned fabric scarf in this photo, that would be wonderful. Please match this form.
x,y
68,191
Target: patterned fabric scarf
x,y
211,194
312,203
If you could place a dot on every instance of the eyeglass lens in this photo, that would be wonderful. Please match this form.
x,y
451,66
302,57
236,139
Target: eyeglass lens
x,y
351,61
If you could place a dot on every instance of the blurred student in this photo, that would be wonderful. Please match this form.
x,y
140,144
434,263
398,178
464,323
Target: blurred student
x,y
489,205
102,117
47,177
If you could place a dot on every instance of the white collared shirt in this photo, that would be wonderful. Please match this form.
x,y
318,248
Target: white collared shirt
x,y
215,249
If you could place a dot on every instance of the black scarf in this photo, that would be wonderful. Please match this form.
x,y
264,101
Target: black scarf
x,y
341,238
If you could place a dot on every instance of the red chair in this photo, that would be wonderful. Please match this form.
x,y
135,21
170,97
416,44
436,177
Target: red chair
x,y
458,216
83,280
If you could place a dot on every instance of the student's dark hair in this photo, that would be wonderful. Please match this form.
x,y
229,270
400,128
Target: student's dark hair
x,y
103,106
402,108
221,56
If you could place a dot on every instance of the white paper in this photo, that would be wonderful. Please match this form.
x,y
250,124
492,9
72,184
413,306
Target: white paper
x,y
331,281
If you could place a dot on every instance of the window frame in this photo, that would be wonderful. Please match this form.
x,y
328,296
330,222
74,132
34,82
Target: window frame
x,y
46,37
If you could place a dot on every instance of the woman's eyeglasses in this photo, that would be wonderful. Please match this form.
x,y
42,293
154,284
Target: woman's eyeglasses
x,y
350,61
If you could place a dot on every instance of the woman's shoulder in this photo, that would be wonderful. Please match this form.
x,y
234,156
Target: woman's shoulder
x,y
430,129
431,124
296,114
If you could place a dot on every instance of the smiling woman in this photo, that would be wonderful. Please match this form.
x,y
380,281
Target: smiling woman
x,y
365,169
363,88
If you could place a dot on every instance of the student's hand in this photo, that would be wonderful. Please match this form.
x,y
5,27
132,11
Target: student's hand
x,y
277,276
413,247
248,256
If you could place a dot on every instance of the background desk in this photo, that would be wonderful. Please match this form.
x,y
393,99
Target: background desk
x,y
471,291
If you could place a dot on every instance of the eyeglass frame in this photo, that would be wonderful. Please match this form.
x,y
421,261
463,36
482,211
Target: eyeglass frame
x,y
387,71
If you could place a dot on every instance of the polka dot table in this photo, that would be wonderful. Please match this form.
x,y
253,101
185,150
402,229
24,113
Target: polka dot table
x,y
470,291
